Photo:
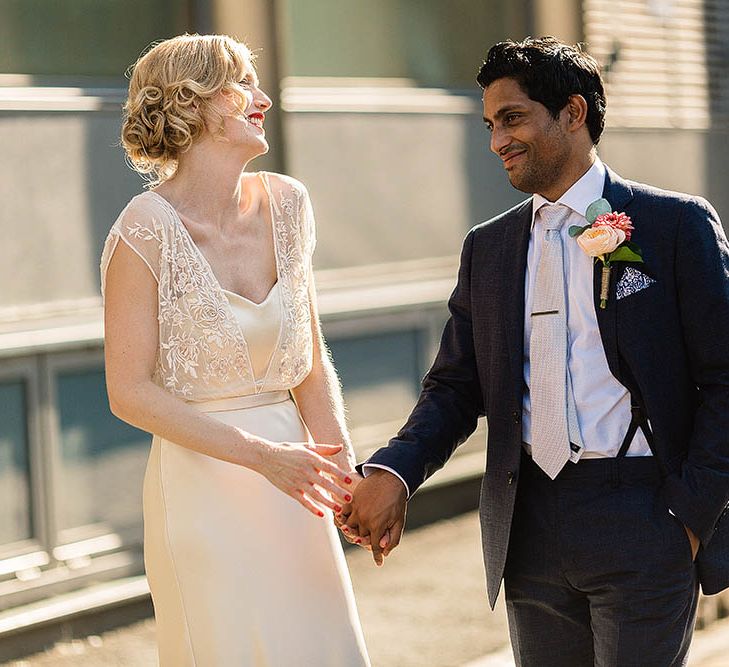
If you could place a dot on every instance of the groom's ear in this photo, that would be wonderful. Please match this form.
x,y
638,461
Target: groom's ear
x,y
576,111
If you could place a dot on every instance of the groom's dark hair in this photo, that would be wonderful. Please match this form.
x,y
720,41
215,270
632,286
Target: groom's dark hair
x,y
549,71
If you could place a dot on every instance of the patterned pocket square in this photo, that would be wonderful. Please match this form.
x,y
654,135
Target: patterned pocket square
x,y
632,281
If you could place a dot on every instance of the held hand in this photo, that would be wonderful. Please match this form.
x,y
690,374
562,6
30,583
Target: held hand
x,y
377,513
356,479
695,543
341,516
301,470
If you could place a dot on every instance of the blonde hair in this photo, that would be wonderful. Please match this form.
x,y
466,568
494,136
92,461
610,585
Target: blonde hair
x,y
170,93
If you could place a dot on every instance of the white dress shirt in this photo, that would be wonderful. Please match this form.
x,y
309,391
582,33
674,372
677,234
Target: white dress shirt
x,y
603,404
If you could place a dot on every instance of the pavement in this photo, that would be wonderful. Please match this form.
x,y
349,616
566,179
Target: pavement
x,y
426,607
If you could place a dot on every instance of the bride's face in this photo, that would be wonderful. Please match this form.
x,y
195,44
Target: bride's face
x,y
243,109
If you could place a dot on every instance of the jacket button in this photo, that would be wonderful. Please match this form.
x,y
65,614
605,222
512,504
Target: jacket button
x,y
509,477
516,416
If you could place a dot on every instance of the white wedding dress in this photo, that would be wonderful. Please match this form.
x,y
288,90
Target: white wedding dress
x,y
240,573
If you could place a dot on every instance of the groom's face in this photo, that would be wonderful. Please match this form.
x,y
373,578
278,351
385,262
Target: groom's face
x,y
533,145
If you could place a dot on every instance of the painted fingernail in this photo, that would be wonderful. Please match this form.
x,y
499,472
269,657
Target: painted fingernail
x,y
345,529
348,497
321,513
358,541
337,508
347,480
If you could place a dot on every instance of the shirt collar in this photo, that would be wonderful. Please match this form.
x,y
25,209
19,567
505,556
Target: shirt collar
x,y
588,188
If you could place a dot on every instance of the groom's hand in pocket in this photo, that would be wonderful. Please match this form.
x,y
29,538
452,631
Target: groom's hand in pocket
x,y
377,513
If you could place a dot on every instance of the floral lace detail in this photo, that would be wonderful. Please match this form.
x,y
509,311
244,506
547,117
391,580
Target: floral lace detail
x,y
203,353
287,205
200,340
293,226
137,231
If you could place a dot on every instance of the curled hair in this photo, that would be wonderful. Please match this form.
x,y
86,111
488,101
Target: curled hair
x,y
170,93
549,71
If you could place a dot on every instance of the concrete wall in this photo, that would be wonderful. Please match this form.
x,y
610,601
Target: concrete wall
x,y
692,161
395,186
64,182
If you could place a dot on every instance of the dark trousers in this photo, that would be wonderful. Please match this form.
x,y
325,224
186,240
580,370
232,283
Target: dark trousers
x,y
598,571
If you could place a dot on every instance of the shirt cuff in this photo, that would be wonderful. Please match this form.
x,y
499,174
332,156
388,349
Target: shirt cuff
x,y
367,469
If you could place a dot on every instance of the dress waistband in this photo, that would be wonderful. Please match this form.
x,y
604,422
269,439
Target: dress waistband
x,y
242,402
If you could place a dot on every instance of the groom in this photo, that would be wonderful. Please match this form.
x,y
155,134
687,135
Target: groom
x,y
606,392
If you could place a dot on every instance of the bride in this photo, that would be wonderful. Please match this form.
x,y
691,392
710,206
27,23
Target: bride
x,y
213,345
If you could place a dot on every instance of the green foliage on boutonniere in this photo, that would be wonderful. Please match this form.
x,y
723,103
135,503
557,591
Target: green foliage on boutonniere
x,y
607,239
625,253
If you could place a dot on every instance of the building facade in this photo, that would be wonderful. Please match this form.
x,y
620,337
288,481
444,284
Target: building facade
x,y
377,112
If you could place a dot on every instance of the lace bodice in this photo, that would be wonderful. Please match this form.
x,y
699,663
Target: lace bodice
x,y
203,353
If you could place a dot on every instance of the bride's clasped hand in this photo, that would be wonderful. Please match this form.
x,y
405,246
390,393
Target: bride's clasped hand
x,y
302,471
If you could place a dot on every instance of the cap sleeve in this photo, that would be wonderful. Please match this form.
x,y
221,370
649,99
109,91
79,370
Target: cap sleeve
x,y
308,222
291,202
140,226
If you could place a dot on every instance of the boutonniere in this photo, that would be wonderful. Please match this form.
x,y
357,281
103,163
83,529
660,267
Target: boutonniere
x,y
607,239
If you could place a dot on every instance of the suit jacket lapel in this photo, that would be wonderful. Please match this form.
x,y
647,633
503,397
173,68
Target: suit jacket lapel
x,y
513,270
619,193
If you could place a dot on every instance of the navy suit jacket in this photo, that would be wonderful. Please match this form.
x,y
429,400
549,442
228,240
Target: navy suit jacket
x,y
668,344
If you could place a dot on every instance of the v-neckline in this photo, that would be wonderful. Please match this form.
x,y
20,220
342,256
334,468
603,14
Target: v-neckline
x,y
209,267
253,303
258,384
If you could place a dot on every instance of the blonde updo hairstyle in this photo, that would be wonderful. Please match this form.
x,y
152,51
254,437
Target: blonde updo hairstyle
x,y
170,93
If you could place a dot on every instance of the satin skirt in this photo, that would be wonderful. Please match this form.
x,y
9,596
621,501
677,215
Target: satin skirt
x,y
240,573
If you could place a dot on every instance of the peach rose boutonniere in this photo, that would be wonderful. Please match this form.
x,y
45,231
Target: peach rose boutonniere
x,y
607,239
